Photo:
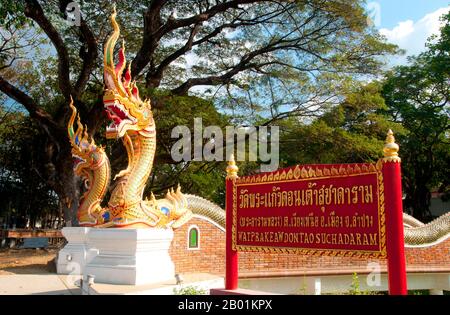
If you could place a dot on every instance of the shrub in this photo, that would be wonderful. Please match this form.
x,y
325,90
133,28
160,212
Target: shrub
x,y
189,290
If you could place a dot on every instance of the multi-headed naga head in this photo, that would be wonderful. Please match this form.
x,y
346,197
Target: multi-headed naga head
x,y
87,155
121,99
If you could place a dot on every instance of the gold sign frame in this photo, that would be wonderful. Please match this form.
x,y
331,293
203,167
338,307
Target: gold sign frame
x,y
303,173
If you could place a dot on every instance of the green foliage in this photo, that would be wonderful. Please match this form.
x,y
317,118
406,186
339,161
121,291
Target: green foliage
x,y
418,292
351,132
202,178
189,290
11,13
23,192
438,50
355,287
417,97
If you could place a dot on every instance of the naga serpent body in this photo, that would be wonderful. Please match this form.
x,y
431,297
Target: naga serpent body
x,y
132,122
418,234
92,164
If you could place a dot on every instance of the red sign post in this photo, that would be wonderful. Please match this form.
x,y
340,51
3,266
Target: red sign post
x,y
394,218
231,269
336,210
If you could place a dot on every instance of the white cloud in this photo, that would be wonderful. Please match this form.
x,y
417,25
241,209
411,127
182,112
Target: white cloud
x,y
400,32
412,36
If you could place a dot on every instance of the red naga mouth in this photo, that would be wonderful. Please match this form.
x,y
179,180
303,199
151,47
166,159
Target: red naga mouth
x,y
77,160
115,118
116,113
119,117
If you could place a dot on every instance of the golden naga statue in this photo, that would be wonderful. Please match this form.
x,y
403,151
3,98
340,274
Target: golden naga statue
x,y
132,121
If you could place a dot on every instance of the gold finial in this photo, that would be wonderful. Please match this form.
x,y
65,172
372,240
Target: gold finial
x,y
232,169
391,148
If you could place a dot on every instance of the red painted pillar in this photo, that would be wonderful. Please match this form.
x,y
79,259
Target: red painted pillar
x,y
231,275
395,243
231,268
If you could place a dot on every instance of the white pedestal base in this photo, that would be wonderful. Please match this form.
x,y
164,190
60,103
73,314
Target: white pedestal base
x,y
131,256
118,256
74,256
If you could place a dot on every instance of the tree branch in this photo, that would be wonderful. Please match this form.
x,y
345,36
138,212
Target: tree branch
x,y
152,22
88,53
33,109
244,64
173,24
153,78
89,57
34,11
154,30
283,43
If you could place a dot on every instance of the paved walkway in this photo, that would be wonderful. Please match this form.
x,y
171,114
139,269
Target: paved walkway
x,y
53,284
203,281
41,284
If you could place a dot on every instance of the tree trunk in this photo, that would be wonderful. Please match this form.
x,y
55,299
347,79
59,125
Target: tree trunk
x,y
420,203
59,170
69,194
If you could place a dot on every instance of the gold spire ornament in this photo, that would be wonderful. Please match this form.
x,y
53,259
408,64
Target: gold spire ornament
x,y
232,168
390,149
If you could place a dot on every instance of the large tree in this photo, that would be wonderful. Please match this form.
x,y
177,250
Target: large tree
x,y
266,60
417,96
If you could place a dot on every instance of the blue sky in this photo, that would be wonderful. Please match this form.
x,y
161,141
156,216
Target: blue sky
x,y
407,23
394,11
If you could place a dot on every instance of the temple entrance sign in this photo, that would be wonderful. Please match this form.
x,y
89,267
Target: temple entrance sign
x,y
312,209
351,210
